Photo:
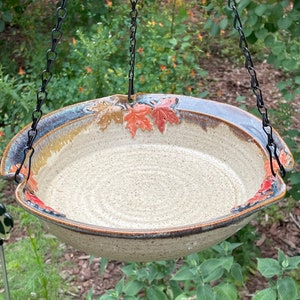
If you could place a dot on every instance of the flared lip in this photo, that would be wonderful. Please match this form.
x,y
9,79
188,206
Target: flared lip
x,y
191,229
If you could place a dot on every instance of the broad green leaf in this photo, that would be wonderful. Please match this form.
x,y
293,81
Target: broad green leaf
x,y
119,286
174,289
183,296
261,34
227,262
193,259
214,275
154,292
268,267
252,20
236,272
205,292
183,274
224,23
278,48
277,11
287,289
297,79
215,29
129,270
243,4
260,9
290,64
225,291
212,269
7,17
284,23
266,294
269,41
132,287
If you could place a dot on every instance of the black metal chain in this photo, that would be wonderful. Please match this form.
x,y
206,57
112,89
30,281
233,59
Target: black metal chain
x,y
41,95
271,145
133,29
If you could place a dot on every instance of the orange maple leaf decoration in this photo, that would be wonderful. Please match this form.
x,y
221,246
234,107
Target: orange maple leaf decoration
x,y
163,113
31,183
106,112
136,118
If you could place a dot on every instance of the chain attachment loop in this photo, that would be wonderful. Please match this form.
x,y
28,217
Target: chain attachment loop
x,y
267,128
132,46
41,94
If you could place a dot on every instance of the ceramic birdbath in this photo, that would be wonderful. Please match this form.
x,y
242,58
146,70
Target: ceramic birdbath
x,y
160,178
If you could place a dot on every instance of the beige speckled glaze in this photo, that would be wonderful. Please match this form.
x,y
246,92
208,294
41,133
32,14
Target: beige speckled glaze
x,y
153,181
151,197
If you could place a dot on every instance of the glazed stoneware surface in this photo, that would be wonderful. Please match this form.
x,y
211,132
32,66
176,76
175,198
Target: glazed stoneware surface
x,y
163,177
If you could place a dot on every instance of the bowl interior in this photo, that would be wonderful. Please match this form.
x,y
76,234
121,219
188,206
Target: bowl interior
x,y
194,172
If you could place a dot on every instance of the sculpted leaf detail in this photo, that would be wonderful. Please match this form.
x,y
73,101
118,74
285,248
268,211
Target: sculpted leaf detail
x,y
137,118
106,112
162,113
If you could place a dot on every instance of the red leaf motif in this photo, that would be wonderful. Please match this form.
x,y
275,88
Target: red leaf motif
x,y
263,193
162,113
41,205
136,118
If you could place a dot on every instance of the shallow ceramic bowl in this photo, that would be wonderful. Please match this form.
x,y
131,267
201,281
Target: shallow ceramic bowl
x,y
161,178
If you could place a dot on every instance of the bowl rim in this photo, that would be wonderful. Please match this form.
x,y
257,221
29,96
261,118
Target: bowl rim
x,y
95,230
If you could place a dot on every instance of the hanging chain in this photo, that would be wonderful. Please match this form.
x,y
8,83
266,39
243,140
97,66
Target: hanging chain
x,y
42,94
271,145
133,28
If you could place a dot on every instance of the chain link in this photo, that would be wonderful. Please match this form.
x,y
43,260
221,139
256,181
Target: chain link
x,y
41,94
133,29
271,145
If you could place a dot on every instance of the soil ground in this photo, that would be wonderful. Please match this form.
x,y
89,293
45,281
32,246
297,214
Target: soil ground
x,y
225,83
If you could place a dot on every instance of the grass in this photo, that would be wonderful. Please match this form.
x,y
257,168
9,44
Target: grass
x,y
33,259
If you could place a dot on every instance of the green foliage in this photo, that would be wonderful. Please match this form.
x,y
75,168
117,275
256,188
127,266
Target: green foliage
x,y
17,102
273,24
32,260
163,63
5,15
197,274
209,275
284,287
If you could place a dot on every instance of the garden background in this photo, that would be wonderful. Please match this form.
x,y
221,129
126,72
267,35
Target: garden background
x,y
183,47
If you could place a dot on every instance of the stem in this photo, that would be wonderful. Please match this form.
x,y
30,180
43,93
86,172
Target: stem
x,y
39,263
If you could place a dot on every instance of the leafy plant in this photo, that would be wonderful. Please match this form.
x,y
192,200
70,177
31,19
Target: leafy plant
x,y
281,285
16,105
32,260
197,275
271,24
5,15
